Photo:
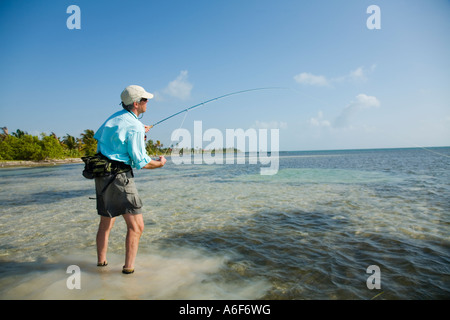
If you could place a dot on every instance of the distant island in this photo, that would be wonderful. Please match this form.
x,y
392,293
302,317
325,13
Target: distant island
x,y
22,149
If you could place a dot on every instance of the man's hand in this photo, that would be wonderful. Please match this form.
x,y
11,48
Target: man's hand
x,y
162,160
153,164
147,128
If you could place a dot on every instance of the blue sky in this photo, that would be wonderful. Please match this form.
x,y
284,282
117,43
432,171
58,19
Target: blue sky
x,y
346,86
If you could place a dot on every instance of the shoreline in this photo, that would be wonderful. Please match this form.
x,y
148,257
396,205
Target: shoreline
x,y
41,163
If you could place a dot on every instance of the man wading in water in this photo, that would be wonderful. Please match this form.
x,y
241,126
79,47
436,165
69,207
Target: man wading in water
x,y
121,140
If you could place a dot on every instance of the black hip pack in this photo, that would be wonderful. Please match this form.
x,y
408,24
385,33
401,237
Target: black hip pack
x,y
100,166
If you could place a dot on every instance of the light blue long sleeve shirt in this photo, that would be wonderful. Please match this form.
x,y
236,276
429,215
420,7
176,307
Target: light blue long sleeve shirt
x,y
122,138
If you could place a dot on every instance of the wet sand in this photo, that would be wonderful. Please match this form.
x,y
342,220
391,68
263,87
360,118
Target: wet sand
x,y
27,163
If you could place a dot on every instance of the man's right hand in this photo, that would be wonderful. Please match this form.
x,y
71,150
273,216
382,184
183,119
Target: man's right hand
x,y
153,164
163,160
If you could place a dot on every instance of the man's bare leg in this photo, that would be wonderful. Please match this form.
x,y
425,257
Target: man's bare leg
x,y
104,229
135,227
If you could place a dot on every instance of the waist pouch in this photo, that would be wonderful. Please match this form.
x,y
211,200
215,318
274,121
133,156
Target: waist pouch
x,y
100,166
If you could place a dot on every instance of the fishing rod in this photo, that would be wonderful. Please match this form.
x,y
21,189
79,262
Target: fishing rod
x,y
211,100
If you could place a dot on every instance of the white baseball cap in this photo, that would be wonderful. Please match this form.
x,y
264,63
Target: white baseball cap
x,y
134,93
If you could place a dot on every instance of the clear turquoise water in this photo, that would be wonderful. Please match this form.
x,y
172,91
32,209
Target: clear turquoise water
x,y
227,232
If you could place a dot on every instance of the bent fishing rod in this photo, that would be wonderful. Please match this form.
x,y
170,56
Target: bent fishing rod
x,y
211,100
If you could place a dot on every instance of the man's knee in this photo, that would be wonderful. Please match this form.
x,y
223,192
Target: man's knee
x,y
135,223
139,228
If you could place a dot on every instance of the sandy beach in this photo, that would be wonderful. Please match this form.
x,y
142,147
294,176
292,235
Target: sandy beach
x,y
48,162
27,163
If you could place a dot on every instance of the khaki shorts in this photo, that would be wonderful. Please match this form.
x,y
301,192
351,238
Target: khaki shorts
x,y
120,196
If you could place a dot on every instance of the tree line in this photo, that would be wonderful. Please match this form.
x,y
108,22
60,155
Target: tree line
x,y
20,145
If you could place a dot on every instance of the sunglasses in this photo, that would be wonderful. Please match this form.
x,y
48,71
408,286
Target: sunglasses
x,y
144,100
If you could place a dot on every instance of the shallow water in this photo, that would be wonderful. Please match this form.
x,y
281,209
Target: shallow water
x,y
227,232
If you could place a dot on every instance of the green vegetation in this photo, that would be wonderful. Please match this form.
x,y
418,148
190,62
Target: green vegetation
x,y
156,148
22,146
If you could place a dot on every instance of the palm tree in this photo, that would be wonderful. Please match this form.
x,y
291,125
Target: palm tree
x,y
70,142
4,134
19,133
55,136
89,143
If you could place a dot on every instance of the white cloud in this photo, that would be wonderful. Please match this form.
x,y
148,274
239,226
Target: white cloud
x,y
319,121
180,87
269,125
360,74
311,79
345,117
361,102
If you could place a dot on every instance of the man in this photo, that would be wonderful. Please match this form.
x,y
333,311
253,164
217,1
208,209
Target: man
x,y
121,141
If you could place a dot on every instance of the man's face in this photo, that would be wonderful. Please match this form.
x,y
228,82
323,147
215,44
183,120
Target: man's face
x,y
142,106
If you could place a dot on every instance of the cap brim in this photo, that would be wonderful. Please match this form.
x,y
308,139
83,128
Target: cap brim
x,y
147,95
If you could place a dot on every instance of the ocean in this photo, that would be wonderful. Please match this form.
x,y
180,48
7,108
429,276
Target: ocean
x,y
351,224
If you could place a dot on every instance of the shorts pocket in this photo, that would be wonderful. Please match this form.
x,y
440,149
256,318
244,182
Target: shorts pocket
x,y
131,191
129,185
134,200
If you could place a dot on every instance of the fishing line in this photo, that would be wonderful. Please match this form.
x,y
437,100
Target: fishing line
x,y
400,139
258,89
182,122
206,102
214,99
